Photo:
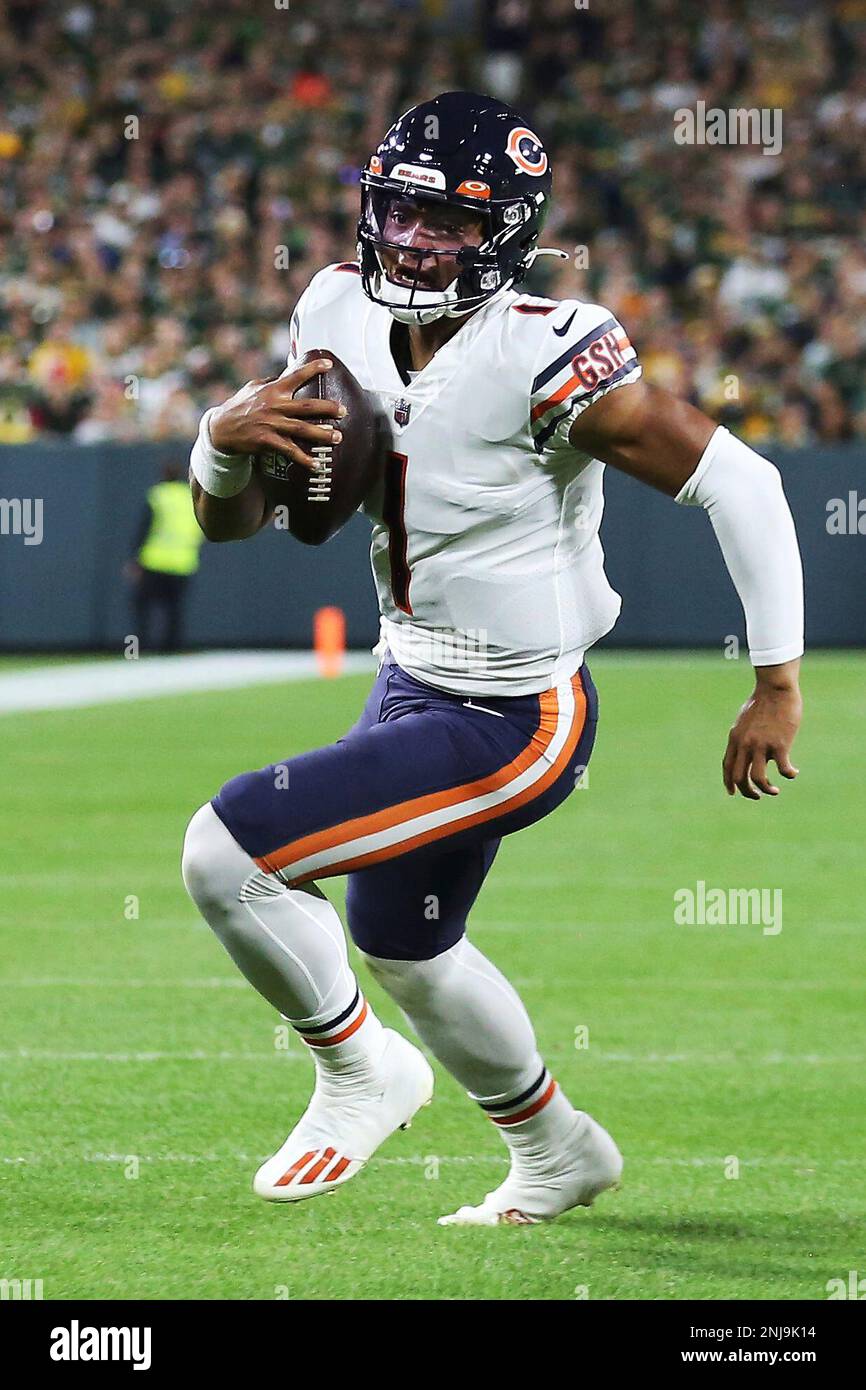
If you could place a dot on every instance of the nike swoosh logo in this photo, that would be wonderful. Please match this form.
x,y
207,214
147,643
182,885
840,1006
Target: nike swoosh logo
x,y
561,332
467,704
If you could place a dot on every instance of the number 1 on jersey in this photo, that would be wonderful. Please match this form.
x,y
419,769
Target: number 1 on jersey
x,y
393,508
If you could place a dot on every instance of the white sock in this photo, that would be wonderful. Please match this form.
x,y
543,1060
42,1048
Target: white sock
x,y
472,1019
290,944
347,1043
536,1121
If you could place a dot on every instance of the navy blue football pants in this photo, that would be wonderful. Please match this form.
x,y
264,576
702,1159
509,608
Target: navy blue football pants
x,y
413,801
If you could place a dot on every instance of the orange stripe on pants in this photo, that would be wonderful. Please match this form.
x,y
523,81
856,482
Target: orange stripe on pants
x,y
405,811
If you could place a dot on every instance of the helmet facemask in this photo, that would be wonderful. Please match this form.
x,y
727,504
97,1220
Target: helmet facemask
x,y
401,236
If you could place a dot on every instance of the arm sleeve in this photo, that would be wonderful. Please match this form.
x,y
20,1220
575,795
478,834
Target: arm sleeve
x,y
743,495
585,353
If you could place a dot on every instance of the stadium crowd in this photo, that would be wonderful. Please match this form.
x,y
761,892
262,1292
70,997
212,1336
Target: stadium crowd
x,y
173,174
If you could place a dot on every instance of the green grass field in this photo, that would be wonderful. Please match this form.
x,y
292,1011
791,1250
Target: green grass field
x,y
141,1085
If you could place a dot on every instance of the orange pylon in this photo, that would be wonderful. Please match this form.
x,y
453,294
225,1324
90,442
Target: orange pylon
x,y
329,640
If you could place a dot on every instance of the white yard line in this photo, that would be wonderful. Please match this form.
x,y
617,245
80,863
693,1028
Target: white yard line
x,y
215,982
722,1059
69,982
423,1160
79,685
36,1054
652,1059
536,930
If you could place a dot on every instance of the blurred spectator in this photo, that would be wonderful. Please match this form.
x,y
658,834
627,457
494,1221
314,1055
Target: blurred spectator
x,y
166,556
173,174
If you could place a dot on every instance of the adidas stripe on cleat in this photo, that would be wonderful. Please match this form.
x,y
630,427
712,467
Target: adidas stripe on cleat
x,y
325,1166
344,1124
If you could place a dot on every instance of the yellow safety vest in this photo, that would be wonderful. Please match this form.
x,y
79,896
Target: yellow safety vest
x,y
174,538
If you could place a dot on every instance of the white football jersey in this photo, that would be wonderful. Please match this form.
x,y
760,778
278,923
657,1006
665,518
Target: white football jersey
x,y
485,550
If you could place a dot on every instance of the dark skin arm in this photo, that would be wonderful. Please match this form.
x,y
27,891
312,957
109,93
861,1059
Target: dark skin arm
x,y
231,518
262,416
653,436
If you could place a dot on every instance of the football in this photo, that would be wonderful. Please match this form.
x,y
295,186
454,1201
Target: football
x,y
319,504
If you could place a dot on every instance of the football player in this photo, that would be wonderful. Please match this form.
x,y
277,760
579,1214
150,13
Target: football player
x,y
490,577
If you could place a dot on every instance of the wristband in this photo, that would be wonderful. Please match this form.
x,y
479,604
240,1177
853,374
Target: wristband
x,y
220,475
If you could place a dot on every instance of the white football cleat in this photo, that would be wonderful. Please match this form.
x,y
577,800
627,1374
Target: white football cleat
x,y
344,1125
573,1178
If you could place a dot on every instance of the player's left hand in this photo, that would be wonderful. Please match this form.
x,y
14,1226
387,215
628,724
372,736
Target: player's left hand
x,y
765,729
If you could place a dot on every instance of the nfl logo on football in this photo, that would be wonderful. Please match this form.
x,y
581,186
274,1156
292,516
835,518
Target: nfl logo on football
x,y
276,465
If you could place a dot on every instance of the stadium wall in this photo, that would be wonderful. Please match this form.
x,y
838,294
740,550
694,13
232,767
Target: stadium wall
x,y
68,591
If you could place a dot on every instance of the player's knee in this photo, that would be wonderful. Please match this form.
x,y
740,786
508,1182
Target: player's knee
x,y
203,862
409,982
196,855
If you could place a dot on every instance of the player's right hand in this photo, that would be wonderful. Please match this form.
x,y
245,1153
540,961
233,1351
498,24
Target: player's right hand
x,y
262,416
